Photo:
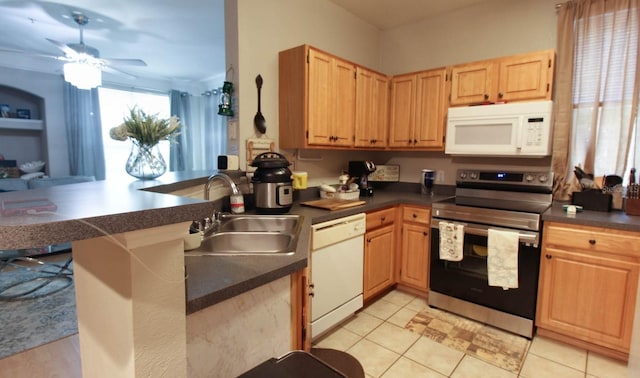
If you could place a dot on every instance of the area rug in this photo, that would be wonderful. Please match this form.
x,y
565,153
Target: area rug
x,y
33,322
502,349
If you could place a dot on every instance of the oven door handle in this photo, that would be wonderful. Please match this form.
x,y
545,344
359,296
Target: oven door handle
x,y
480,230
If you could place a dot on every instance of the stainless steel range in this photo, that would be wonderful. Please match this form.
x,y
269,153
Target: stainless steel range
x,y
504,201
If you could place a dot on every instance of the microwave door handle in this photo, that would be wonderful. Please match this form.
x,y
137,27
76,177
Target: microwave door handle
x,y
519,132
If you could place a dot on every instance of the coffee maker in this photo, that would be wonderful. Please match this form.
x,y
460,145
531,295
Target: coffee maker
x,y
362,169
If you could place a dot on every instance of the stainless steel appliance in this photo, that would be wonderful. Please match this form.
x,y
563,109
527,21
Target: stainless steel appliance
x,y
272,184
337,261
484,199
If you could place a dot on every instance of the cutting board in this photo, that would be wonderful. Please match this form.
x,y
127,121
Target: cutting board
x,y
333,203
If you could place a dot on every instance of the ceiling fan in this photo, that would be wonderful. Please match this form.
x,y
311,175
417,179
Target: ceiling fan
x,y
83,66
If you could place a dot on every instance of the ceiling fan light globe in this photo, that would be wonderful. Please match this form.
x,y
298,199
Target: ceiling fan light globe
x,y
82,75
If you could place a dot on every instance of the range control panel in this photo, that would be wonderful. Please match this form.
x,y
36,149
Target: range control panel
x,y
498,178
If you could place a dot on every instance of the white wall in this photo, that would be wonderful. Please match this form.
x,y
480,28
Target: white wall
x,y
50,88
487,29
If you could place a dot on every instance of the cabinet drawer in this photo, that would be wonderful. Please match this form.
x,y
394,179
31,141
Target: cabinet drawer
x,y
416,214
380,218
595,239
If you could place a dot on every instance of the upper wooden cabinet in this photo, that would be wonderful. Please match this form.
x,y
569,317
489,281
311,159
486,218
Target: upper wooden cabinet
x,y
317,94
512,78
417,110
588,284
372,104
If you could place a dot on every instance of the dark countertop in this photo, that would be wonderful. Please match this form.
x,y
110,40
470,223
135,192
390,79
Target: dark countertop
x,y
613,219
212,279
92,209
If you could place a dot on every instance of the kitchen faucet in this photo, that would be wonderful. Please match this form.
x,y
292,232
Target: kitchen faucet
x,y
223,177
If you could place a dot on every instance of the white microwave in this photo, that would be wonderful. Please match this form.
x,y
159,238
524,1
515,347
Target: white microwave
x,y
522,129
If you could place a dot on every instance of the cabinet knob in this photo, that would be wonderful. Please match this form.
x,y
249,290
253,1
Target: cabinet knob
x,y
414,215
548,256
425,233
369,240
592,241
500,94
415,141
382,219
311,294
486,96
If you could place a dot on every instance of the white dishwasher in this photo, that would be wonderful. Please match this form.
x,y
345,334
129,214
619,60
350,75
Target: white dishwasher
x,y
337,262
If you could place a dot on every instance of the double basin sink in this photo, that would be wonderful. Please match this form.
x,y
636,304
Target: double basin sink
x,y
251,235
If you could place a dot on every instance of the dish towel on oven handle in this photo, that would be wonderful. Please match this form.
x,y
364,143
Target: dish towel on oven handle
x,y
451,241
502,258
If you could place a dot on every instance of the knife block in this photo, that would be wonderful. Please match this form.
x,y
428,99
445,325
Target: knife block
x,y
592,199
632,206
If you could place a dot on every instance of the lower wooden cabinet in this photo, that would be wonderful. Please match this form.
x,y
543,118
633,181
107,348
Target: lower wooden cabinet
x,y
588,284
415,246
379,252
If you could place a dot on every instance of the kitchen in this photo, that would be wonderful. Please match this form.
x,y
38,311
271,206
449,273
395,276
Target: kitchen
x,y
509,22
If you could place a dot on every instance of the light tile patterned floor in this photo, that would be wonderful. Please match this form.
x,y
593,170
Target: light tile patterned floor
x,y
377,338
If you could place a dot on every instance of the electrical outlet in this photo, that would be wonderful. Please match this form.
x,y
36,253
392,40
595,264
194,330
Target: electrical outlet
x,y
439,176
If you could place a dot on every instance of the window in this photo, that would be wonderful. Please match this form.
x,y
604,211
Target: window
x,y
114,106
604,124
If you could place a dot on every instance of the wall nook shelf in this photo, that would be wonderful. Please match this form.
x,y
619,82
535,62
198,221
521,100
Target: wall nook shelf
x,y
21,124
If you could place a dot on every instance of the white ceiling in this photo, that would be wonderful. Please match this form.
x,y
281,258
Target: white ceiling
x,y
386,14
180,40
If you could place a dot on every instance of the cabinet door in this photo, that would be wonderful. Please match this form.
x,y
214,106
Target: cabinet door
x,y
321,97
473,83
588,297
526,77
430,108
343,103
401,111
378,260
372,96
415,256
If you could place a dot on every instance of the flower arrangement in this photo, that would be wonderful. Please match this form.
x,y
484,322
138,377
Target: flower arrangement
x,y
145,129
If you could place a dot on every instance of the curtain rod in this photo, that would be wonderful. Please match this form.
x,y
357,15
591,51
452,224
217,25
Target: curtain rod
x,y
133,88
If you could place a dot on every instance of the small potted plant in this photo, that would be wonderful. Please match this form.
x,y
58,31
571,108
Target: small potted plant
x,y
145,131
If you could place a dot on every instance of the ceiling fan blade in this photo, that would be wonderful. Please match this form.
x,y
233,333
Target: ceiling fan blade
x,y
118,72
124,62
30,53
66,49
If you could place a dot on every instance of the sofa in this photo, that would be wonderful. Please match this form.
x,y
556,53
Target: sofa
x,y
13,184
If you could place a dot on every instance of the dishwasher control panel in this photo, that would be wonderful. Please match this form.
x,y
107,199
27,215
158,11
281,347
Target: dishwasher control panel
x,y
337,230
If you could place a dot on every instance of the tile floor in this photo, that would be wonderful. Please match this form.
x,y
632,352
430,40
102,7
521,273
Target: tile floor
x,y
377,338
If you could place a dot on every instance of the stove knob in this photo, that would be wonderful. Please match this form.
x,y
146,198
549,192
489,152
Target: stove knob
x,y
463,175
529,178
474,175
543,178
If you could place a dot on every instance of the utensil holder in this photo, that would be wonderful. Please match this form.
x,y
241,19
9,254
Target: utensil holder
x,y
592,199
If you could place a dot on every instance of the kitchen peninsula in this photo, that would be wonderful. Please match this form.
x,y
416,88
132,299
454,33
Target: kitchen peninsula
x,y
129,268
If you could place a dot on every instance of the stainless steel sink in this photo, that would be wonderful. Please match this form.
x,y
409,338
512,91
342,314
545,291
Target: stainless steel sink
x,y
252,235
260,223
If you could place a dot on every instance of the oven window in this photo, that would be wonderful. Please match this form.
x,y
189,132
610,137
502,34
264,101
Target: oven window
x,y
474,260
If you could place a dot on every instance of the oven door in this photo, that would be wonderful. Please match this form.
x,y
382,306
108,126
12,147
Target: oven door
x,y
468,279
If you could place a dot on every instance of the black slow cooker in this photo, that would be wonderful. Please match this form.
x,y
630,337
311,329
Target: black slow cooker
x,y
272,186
